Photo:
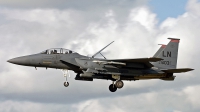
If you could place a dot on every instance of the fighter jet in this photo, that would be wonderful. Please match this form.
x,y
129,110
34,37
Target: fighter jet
x,y
161,66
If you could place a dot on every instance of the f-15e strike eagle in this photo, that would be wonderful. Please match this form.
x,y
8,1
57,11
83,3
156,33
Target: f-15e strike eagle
x,y
161,66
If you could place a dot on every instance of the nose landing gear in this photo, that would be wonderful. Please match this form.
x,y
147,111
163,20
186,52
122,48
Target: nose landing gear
x,y
66,73
66,84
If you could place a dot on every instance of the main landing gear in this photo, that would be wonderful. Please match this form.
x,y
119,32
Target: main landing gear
x,y
66,73
118,84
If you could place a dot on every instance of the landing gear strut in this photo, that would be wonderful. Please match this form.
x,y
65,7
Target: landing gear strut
x,y
118,84
66,72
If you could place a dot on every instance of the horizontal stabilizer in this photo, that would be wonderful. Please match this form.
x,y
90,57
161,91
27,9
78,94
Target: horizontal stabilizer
x,y
180,70
168,78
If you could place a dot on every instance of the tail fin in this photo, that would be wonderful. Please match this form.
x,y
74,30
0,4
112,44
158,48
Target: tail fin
x,y
159,50
169,55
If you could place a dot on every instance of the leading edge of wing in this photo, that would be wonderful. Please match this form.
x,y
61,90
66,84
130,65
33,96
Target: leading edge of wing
x,y
70,65
178,70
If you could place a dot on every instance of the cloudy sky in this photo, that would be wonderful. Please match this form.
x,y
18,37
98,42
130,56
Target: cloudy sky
x,y
136,26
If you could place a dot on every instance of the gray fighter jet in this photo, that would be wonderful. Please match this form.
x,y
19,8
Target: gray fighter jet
x,y
161,66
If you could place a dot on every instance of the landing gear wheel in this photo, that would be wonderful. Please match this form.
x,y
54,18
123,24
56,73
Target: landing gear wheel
x,y
112,88
66,84
119,84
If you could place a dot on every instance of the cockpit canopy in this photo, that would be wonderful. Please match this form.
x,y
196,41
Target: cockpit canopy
x,y
57,51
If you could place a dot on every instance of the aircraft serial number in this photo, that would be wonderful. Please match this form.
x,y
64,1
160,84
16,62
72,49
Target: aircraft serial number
x,y
165,62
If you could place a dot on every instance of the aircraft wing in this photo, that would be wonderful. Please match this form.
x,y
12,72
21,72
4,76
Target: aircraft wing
x,y
145,61
74,67
179,70
153,59
138,62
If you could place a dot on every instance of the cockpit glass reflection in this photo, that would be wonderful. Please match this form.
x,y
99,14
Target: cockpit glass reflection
x,y
57,51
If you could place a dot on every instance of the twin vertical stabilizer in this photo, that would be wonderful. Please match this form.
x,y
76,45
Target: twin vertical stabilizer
x,y
169,54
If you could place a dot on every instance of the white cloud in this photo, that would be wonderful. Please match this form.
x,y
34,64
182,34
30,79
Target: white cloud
x,y
74,4
144,17
13,106
47,17
193,96
167,100
33,30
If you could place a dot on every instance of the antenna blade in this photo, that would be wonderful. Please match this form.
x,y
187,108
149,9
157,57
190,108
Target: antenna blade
x,y
103,55
101,50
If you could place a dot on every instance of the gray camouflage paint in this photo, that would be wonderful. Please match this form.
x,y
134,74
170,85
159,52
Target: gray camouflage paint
x,y
89,68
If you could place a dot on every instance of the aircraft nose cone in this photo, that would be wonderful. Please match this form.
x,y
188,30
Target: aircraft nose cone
x,y
10,61
19,61
15,60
